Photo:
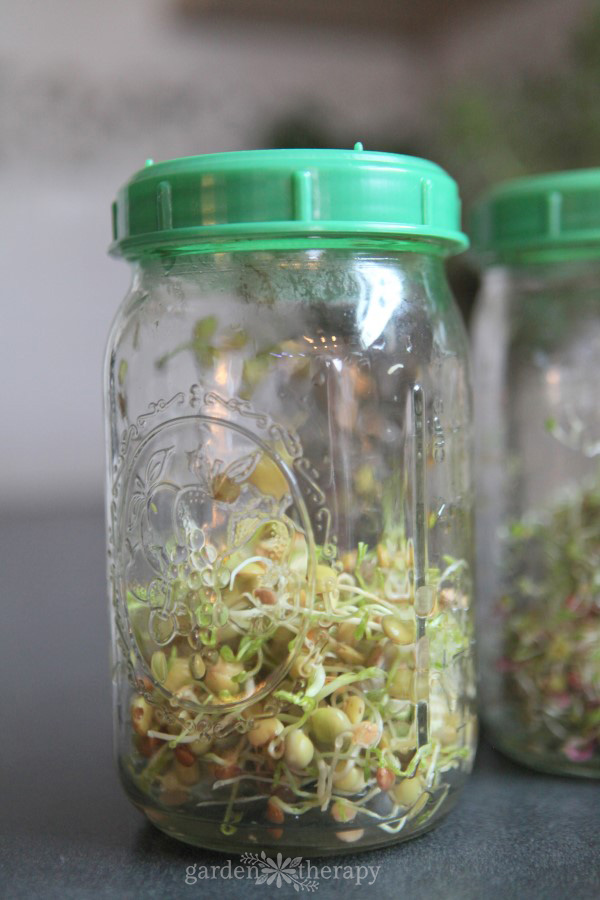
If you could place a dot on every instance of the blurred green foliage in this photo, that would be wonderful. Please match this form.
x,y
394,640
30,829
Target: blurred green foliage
x,y
482,133
542,122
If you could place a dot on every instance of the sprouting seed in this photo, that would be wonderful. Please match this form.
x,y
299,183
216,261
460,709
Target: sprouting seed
x,y
159,666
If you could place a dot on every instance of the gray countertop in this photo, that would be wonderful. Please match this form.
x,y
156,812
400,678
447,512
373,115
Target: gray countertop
x,y
68,831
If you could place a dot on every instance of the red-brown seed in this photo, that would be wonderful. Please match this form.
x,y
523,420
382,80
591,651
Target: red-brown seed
x,y
221,773
376,657
276,833
148,746
184,756
285,793
275,813
266,596
385,778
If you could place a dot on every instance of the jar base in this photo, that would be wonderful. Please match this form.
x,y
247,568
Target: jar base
x,y
311,835
299,839
548,764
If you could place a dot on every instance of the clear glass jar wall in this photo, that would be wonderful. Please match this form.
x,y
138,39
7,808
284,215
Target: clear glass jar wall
x,y
290,547
537,366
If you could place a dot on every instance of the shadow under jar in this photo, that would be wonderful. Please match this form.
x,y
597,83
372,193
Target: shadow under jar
x,y
537,367
289,501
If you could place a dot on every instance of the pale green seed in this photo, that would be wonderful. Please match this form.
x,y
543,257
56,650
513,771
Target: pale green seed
x,y
299,750
200,746
351,781
179,674
408,791
398,630
264,731
328,722
354,707
221,676
159,666
197,667
401,686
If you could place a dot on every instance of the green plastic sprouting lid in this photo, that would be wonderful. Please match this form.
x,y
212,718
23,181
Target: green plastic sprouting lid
x,y
302,196
539,218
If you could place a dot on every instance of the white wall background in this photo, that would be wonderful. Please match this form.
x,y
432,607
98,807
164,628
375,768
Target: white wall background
x,y
88,90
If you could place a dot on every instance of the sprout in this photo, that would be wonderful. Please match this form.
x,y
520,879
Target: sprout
x,y
340,728
549,662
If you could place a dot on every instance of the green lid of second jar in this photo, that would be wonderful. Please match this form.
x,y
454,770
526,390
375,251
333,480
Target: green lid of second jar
x,y
539,218
264,195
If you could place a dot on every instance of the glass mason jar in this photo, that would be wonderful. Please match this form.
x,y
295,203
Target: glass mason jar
x,y
289,500
537,368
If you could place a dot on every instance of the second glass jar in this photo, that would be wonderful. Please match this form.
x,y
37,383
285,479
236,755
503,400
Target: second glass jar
x,y
537,365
